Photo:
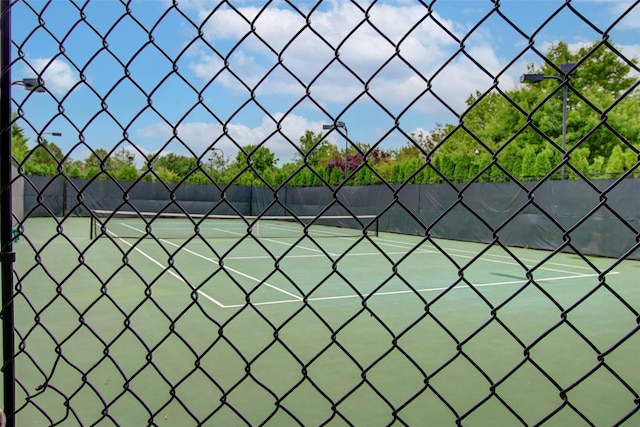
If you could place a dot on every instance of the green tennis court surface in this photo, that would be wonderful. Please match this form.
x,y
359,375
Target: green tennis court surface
x,y
243,330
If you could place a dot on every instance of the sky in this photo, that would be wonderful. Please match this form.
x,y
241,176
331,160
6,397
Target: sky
x,y
153,77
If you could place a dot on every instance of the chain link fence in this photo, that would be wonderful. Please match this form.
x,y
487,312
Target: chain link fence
x,y
123,330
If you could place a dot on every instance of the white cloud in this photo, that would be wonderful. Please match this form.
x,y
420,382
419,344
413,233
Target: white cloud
x,y
209,66
630,50
201,137
631,21
57,75
363,50
393,56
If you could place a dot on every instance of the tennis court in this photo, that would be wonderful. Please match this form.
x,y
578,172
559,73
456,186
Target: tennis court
x,y
314,328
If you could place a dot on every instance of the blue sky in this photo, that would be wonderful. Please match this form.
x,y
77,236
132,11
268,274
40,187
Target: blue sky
x,y
205,81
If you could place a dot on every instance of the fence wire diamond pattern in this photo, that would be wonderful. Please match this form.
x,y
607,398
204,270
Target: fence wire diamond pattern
x,y
433,284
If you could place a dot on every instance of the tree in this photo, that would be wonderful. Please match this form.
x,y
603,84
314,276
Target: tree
x,y
501,134
602,71
121,165
527,169
631,161
45,159
511,159
461,169
166,175
615,165
97,160
336,176
410,169
447,165
74,170
19,146
251,166
313,150
542,165
198,178
91,172
257,158
217,162
407,151
396,173
580,162
602,77
429,140
596,168
127,173
499,121
176,163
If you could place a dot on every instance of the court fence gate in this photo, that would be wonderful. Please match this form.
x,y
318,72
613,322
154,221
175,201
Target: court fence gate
x,y
91,337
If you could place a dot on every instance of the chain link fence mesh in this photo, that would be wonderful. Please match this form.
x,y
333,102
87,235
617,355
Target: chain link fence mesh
x,y
84,356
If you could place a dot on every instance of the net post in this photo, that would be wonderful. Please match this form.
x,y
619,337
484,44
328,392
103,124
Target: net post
x,y
92,225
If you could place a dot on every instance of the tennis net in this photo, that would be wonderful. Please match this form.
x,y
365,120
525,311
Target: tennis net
x,y
164,225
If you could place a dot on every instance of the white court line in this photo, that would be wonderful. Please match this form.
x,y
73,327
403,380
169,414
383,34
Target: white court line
x,y
409,291
210,260
177,276
495,255
497,261
572,275
421,251
240,234
233,270
235,233
261,238
298,246
407,245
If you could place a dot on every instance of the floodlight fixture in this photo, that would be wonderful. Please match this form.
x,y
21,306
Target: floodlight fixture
x,y
31,84
531,78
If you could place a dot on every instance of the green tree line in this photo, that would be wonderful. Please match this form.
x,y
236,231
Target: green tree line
x,y
502,135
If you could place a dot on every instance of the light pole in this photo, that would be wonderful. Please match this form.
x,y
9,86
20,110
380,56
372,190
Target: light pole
x,y
346,143
52,133
537,78
221,153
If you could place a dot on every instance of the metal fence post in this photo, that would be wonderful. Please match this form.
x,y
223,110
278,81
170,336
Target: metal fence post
x,y
7,256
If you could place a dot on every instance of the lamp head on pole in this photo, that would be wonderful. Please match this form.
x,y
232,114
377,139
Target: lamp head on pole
x,y
537,78
567,68
31,84
531,78
337,125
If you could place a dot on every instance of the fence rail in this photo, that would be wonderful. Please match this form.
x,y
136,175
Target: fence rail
x,y
500,286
